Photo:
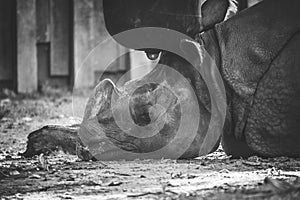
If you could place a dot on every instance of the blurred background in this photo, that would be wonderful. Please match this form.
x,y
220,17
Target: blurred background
x,y
45,43
62,44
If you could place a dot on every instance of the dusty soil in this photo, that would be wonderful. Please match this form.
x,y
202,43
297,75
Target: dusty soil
x,y
62,176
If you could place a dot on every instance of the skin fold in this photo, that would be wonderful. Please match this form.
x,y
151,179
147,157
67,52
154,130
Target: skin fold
x,y
260,69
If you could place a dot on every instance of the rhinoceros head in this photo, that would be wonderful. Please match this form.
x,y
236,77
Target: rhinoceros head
x,y
156,116
186,16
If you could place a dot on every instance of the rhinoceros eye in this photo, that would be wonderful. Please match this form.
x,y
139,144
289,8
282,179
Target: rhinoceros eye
x,y
152,54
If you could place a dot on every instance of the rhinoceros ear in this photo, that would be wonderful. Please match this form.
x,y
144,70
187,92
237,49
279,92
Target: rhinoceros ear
x,y
216,11
192,51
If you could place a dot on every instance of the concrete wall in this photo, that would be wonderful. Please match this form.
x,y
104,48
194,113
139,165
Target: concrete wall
x,y
7,38
41,51
60,36
93,48
27,80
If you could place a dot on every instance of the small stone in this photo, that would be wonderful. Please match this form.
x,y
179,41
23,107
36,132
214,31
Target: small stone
x,y
5,119
115,183
14,173
61,116
27,119
35,176
70,179
5,102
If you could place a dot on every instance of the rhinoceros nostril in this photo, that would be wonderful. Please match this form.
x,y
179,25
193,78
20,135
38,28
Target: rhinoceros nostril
x,y
140,103
140,115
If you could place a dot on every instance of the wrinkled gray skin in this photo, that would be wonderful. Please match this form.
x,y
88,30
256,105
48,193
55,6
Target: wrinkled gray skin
x,y
256,52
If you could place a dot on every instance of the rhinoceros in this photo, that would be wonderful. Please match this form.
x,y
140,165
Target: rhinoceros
x,y
183,16
256,54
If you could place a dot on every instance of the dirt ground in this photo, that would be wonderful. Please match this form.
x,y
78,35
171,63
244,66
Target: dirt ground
x,y
62,176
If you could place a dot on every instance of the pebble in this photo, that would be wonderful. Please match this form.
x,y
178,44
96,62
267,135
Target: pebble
x,y
27,119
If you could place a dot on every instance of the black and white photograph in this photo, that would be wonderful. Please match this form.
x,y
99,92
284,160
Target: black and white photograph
x,y
149,99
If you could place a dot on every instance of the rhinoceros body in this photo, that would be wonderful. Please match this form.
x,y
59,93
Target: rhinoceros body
x,y
259,51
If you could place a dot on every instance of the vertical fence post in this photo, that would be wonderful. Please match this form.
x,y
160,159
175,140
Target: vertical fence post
x,y
27,76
